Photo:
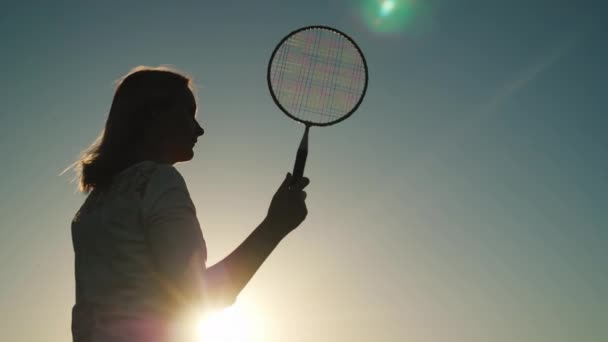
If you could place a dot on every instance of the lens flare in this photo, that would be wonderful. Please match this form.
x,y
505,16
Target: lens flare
x,y
393,16
387,7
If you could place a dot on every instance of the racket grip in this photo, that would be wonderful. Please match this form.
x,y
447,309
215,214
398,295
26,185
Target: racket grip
x,y
298,168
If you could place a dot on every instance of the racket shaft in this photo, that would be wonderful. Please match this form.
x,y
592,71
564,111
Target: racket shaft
x,y
298,168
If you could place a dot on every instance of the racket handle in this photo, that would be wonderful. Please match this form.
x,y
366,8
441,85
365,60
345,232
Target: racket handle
x,y
298,168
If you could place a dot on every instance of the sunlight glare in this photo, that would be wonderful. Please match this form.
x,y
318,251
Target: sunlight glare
x,y
233,324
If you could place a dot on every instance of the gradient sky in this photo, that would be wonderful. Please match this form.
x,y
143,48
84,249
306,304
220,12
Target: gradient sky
x,y
464,201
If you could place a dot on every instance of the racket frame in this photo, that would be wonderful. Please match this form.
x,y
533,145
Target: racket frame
x,y
301,156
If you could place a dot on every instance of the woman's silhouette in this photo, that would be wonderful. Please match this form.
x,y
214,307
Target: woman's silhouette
x,y
140,256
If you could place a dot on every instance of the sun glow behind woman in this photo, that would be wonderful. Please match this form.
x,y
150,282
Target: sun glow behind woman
x,y
237,323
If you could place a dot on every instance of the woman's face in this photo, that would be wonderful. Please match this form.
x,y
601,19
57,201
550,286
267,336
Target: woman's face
x,y
182,130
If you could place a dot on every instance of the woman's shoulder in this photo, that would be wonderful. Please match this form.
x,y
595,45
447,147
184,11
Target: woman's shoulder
x,y
165,175
150,177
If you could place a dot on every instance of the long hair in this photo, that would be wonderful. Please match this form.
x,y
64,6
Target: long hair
x,y
141,95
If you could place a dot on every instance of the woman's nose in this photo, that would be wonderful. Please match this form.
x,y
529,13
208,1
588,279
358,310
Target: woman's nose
x,y
199,130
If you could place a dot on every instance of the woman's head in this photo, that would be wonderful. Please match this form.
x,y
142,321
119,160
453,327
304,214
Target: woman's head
x,y
152,117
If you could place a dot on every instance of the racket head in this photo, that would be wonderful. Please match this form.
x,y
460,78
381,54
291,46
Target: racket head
x,y
332,67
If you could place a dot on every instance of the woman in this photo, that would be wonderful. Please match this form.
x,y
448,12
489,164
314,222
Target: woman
x,y
139,251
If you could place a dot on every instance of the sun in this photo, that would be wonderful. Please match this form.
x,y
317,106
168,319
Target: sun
x,y
233,324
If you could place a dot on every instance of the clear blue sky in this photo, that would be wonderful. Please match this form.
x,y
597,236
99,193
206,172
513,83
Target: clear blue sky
x,y
464,201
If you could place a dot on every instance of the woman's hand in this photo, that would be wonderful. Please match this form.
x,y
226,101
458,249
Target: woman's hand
x,y
288,207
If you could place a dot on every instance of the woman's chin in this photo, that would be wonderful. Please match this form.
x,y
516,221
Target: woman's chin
x,y
185,156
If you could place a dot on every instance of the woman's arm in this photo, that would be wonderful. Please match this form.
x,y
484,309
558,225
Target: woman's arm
x,y
226,279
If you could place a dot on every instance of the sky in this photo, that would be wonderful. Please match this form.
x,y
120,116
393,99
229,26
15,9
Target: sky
x,y
465,200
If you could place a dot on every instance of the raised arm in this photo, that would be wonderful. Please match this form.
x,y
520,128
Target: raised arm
x,y
226,279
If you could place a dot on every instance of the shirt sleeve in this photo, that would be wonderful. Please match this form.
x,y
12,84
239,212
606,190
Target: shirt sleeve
x,y
174,236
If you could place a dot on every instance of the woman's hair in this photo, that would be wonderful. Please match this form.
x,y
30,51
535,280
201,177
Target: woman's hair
x,y
141,95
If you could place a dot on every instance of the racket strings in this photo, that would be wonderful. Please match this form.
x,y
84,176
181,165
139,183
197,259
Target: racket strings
x,y
318,75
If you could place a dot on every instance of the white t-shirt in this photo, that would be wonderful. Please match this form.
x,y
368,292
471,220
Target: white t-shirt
x,y
139,256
